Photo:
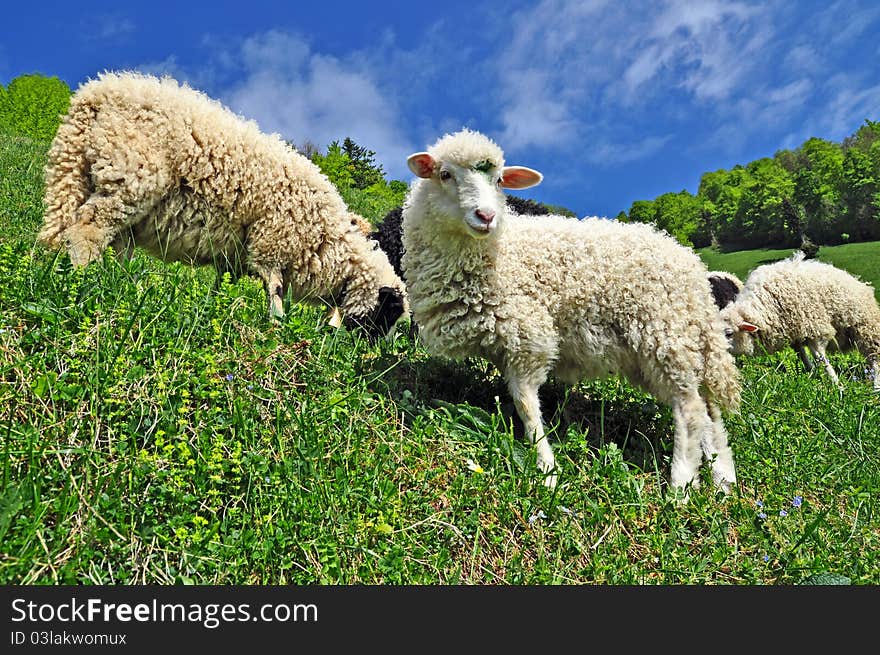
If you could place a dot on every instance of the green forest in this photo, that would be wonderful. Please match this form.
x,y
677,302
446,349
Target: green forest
x,y
819,193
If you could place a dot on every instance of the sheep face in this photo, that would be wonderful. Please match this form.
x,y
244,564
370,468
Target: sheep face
x,y
741,334
469,196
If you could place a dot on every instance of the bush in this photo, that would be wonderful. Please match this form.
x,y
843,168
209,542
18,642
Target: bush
x,y
33,105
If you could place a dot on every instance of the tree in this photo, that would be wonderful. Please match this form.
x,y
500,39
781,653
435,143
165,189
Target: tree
x,y
719,193
641,211
819,193
364,169
33,105
817,169
680,215
762,206
335,165
861,187
306,148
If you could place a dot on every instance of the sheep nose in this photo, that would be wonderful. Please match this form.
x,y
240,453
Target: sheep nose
x,y
485,216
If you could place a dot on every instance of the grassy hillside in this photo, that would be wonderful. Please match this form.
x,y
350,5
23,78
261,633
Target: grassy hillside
x,y
861,259
156,429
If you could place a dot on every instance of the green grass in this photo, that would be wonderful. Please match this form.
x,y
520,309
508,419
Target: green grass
x,y
861,259
156,429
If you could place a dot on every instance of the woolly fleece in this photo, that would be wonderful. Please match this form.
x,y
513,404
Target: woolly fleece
x,y
572,298
148,162
798,301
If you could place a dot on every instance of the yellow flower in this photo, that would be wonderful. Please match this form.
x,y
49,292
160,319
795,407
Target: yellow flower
x,y
473,466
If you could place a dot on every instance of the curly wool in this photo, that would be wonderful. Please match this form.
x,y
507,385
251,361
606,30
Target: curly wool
x,y
562,296
148,162
388,232
798,301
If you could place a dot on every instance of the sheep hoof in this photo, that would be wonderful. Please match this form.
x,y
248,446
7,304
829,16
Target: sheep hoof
x,y
724,479
335,319
551,480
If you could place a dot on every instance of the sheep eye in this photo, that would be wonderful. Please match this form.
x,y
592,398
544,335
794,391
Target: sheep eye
x,y
445,175
728,332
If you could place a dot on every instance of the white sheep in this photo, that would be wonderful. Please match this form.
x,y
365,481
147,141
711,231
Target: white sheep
x,y
142,161
573,298
805,304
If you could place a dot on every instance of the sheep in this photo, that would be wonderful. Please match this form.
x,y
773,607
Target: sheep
x,y
725,287
805,304
388,233
143,161
554,295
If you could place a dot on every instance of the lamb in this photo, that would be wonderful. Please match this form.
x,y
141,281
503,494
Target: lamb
x,y
142,161
573,298
388,233
805,304
725,287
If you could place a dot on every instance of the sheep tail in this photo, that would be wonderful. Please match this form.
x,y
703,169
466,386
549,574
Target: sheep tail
x,y
67,173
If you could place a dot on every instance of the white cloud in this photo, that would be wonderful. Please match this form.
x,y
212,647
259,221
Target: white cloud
x,y
704,47
572,67
842,23
848,107
803,58
790,95
616,154
107,27
307,96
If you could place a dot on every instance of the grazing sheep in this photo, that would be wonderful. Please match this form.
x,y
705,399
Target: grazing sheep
x,y
140,161
805,303
573,298
725,287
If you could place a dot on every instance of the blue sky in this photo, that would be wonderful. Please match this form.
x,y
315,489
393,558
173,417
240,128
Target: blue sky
x,y
613,101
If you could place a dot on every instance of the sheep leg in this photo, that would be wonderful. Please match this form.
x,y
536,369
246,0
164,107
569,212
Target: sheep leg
x,y
818,349
273,280
874,371
691,424
96,224
334,317
717,451
106,217
528,406
801,351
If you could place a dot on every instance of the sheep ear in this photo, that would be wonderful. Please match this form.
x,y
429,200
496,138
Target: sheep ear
x,y
748,327
421,163
519,177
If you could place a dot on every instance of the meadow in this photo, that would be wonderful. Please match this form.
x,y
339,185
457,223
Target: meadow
x,y
156,428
